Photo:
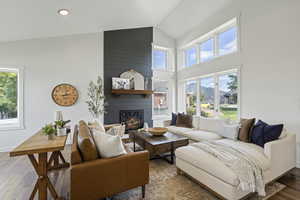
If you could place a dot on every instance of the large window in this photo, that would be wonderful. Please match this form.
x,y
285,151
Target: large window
x,y
10,98
218,96
160,98
219,42
159,59
191,97
190,56
228,96
207,96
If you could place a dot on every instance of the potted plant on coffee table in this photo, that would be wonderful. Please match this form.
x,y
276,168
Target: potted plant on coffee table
x,y
49,130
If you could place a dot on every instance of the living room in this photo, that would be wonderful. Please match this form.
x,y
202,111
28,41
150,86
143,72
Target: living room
x,y
216,77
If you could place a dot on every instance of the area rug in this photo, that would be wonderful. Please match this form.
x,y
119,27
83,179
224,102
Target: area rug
x,y
165,184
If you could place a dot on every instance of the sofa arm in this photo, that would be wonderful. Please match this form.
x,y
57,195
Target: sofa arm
x,y
105,177
167,123
282,154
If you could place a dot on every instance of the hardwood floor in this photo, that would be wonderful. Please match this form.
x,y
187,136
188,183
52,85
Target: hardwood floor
x,y
17,179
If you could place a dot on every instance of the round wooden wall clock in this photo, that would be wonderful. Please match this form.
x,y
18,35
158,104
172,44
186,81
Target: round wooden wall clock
x,y
64,95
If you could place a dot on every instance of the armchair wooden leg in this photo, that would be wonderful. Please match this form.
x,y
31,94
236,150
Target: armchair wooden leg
x,y
143,191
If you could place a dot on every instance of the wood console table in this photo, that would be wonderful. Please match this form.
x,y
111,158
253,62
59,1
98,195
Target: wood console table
x,y
40,145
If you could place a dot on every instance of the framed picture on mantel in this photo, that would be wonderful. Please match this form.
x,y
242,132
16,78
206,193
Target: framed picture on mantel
x,y
120,83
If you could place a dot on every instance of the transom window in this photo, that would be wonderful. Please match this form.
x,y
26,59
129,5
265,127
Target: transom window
x,y
217,96
160,58
190,56
218,42
10,98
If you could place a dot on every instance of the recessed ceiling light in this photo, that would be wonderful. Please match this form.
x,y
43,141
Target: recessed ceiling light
x,y
63,12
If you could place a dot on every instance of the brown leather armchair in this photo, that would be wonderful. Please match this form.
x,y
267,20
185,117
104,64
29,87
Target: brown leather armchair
x,y
105,177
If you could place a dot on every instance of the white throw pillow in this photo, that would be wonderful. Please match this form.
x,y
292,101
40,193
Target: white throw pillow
x,y
97,126
230,131
108,146
117,130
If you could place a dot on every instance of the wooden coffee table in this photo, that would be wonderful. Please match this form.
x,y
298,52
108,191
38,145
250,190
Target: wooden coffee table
x,y
159,147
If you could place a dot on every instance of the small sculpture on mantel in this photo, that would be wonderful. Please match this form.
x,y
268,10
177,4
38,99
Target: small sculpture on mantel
x,y
136,79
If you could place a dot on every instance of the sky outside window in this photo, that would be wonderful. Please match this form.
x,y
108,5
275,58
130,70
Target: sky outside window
x,y
159,59
190,57
207,50
228,41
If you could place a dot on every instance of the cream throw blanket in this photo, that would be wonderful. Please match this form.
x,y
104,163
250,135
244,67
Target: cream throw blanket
x,y
247,168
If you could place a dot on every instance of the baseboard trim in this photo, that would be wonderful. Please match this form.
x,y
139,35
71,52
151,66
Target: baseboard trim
x,y
7,149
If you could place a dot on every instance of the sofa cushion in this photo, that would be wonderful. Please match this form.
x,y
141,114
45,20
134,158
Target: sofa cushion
x,y
212,125
245,130
184,120
214,166
263,133
173,120
86,144
230,131
207,163
201,135
178,130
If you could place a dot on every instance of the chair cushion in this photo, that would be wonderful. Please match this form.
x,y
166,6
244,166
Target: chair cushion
x,y
201,135
86,144
214,166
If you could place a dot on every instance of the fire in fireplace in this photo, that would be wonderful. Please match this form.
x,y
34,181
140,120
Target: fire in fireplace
x,y
133,119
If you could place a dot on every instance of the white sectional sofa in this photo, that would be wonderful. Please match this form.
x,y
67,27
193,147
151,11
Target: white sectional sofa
x,y
277,157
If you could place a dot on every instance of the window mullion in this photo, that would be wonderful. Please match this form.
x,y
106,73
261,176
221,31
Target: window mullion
x,y
217,96
198,101
216,46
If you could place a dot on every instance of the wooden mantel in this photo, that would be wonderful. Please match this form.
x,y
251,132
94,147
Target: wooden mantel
x,y
132,92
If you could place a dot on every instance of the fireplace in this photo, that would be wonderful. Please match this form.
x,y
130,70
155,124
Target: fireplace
x,y
133,119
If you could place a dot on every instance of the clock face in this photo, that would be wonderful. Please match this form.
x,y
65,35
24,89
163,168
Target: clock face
x,y
65,95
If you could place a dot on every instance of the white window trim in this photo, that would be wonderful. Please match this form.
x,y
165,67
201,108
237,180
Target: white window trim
x,y
212,34
214,75
18,123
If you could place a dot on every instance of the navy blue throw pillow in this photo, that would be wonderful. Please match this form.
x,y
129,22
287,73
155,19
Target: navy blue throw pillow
x,y
174,119
263,133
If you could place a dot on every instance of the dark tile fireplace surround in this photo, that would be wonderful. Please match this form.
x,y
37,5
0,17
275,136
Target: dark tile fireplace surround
x,y
124,50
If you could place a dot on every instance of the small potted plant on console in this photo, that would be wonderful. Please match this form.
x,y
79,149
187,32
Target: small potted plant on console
x,y
49,130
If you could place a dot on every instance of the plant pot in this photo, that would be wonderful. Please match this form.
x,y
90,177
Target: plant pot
x,y
61,131
51,137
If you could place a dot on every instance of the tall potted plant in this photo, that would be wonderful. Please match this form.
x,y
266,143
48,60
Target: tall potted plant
x,y
96,99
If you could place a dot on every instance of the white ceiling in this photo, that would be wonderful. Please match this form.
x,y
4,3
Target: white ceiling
x,y
189,14
24,19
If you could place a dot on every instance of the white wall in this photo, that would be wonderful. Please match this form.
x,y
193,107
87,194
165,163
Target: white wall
x,y
269,59
47,62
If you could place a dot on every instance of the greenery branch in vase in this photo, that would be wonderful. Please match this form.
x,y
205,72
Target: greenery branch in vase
x,y
49,130
96,99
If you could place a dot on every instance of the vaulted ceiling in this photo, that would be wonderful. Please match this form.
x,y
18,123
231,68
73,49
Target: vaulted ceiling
x,y
26,19
23,19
